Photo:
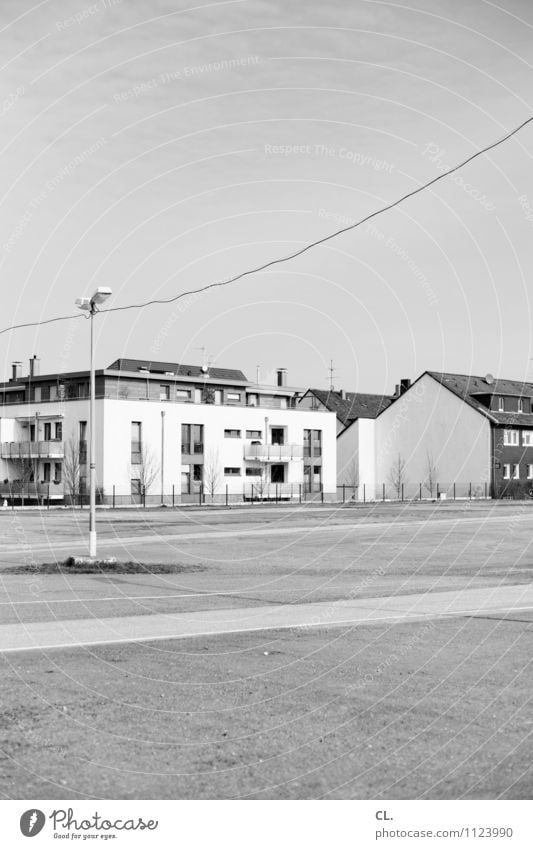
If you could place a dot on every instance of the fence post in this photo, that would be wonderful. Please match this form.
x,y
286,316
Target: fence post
x,y
299,493
252,495
276,493
437,492
173,495
383,492
226,495
485,490
200,495
343,493
454,491
420,492
402,491
49,496
470,491
364,493
322,493
114,501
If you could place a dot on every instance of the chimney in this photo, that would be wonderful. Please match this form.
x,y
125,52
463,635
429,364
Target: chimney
x,y
341,393
405,383
35,366
397,391
281,375
16,371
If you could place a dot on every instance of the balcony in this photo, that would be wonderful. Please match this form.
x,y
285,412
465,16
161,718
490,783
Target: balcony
x,y
32,450
273,453
18,490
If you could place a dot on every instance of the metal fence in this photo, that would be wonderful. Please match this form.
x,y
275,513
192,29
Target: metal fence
x,y
50,495
47,496
415,492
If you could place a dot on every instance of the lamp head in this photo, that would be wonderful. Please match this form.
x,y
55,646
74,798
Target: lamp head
x,y
101,295
83,303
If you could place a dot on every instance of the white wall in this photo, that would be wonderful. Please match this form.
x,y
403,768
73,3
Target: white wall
x,y
430,418
356,456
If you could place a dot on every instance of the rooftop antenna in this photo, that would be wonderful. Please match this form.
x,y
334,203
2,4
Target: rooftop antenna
x,y
257,374
332,371
205,359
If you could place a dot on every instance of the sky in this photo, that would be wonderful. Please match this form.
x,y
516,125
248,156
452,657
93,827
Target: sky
x,y
157,147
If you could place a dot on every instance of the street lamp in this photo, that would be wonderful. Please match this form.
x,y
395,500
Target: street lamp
x,y
91,306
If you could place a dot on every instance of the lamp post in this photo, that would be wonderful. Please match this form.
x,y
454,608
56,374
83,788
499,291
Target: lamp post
x,y
91,306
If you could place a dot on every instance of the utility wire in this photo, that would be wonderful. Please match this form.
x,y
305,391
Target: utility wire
x,y
297,253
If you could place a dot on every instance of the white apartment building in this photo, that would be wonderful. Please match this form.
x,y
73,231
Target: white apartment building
x,y
164,431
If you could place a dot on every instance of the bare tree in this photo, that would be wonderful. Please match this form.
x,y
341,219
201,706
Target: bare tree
x,y
212,472
351,473
147,470
72,468
397,475
431,474
24,470
260,479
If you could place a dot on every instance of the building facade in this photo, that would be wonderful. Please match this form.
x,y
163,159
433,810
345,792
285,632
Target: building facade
x,y
164,430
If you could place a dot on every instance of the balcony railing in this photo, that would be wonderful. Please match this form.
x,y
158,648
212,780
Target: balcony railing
x,y
16,489
46,448
273,453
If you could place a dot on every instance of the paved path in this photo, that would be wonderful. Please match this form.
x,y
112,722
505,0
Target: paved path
x,y
508,600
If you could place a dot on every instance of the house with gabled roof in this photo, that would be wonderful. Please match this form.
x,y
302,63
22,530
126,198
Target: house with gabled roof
x,y
347,406
461,433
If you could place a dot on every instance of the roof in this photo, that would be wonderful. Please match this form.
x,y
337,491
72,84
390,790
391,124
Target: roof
x,y
354,405
124,364
471,387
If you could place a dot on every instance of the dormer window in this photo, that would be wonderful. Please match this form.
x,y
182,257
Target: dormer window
x,y
501,405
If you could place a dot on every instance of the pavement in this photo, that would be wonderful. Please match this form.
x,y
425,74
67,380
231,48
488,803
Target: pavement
x,y
26,636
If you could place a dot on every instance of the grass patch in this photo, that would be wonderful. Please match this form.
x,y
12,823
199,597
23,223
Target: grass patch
x,y
121,567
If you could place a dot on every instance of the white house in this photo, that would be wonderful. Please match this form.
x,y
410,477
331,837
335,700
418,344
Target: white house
x,y
164,431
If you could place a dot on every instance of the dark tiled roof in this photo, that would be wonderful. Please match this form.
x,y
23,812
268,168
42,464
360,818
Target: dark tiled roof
x,y
354,405
470,388
178,369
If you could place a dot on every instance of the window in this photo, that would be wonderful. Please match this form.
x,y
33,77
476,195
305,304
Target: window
x,y
254,472
501,405
520,405
278,436
254,434
251,399
231,471
192,439
183,395
58,431
233,397
197,473
136,443
197,439
57,472
47,431
515,469
527,437
530,471
37,393
164,392
506,471
232,434
83,442
510,437
46,473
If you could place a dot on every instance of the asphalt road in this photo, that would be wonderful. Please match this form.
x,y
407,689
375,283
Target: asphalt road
x,y
378,652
